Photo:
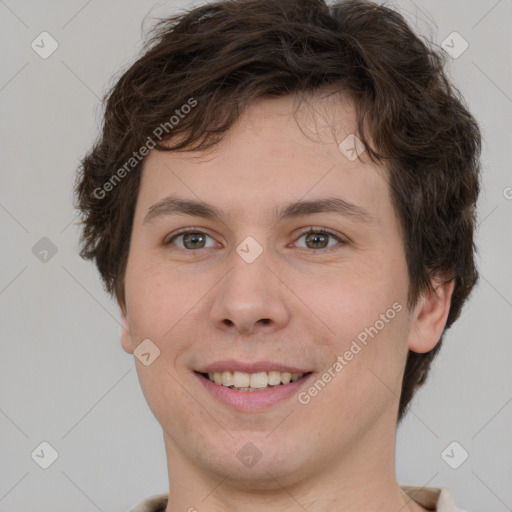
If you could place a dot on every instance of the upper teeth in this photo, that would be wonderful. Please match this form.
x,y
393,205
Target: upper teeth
x,y
253,380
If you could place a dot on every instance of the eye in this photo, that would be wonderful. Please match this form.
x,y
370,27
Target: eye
x,y
190,239
318,239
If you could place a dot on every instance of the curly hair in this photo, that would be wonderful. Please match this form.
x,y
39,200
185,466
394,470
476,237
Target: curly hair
x,y
218,58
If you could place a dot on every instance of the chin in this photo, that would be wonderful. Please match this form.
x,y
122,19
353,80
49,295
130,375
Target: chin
x,y
258,464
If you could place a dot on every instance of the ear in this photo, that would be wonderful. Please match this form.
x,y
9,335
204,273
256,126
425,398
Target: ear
x,y
430,315
126,338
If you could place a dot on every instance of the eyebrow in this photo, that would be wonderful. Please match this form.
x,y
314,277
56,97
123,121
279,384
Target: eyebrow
x,y
177,206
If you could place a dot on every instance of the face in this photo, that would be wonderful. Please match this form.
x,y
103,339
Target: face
x,y
255,283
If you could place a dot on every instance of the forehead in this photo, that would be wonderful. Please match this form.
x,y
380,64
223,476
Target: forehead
x,y
280,149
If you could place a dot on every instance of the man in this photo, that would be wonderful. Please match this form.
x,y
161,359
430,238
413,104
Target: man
x,y
283,203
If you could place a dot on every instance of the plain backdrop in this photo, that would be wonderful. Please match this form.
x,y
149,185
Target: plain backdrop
x,y
64,378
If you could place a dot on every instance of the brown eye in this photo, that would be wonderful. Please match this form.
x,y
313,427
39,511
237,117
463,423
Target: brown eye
x,y
319,239
190,240
194,240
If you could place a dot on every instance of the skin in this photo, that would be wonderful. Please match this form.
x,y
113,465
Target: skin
x,y
292,305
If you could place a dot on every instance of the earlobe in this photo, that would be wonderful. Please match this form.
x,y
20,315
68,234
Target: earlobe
x,y
126,339
430,317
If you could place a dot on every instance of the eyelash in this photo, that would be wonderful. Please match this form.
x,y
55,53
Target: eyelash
x,y
310,230
319,230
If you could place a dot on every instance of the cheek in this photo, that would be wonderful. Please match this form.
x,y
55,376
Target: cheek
x,y
156,300
352,299
366,313
364,379
159,304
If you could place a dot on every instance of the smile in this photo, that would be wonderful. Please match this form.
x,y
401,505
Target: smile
x,y
243,381
252,392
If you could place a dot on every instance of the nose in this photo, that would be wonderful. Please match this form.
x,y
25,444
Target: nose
x,y
251,297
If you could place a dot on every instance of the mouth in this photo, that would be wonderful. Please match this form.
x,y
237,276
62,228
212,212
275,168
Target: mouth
x,y
258,381
252,392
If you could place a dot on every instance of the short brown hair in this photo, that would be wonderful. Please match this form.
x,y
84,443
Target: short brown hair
x,y
226,54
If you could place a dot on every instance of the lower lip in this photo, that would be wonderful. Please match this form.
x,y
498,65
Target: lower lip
x,y
249,401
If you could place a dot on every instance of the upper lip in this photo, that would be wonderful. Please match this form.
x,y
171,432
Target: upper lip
x,y
254,367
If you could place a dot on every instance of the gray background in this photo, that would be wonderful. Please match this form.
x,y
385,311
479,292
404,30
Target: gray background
x,y
64,378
